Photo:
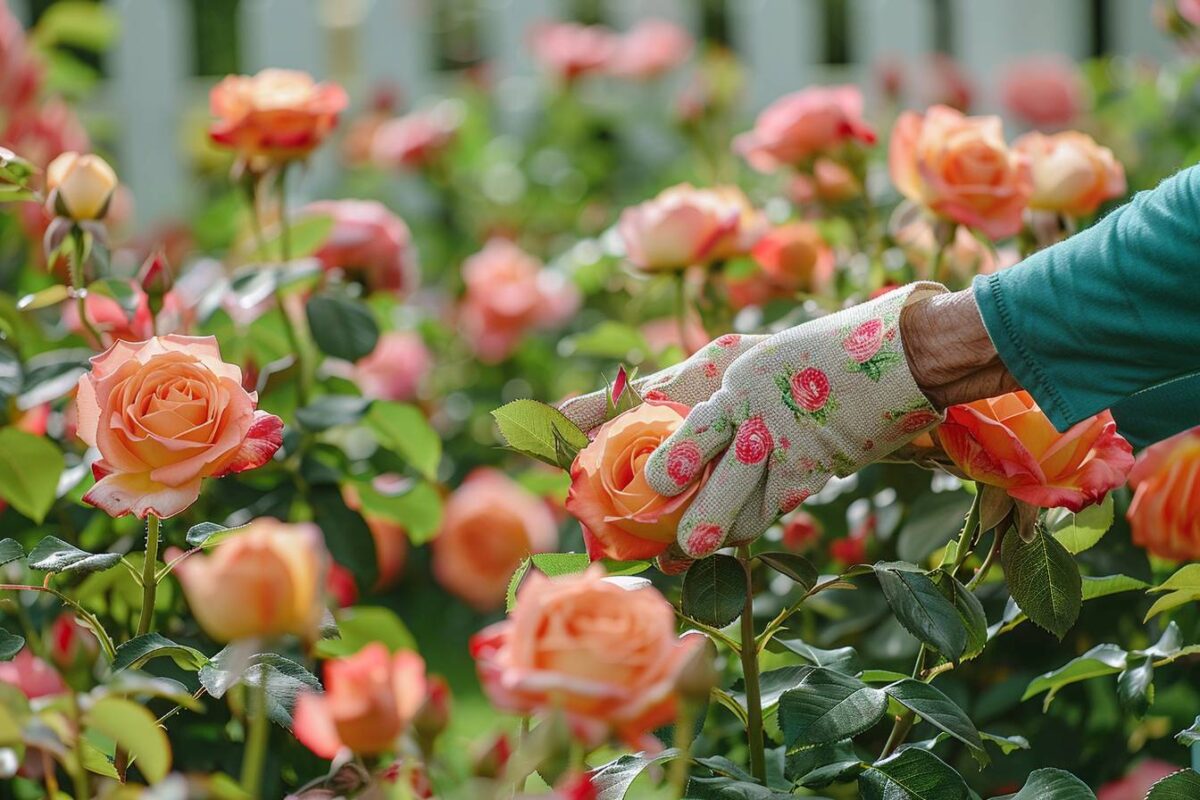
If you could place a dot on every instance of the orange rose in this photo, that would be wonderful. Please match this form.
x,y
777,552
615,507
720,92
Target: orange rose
x,y
803,124
369,700
279,114
960,167
606,655
166,413
622,517
795,258
1008,442
1071,173
266,580
489,524
1165,512
684,225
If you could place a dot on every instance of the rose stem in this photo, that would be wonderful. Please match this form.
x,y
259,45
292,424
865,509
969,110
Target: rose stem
x,y
290,325
685,726
749,655
256,739
76,264
149,582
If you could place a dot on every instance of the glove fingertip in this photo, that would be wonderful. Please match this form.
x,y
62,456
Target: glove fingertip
x,y
700,539
673,467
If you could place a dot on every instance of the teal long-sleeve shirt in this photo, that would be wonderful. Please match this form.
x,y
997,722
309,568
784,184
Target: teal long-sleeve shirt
x,y
1110,318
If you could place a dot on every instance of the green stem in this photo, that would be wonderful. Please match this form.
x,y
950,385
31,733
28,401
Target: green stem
x,y
291,325
256,738
749,654
774,626
905,721
106,643
149,580
685,729
986,566
78,250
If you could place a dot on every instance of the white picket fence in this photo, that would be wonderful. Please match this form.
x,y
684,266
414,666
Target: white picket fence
x,y
780,41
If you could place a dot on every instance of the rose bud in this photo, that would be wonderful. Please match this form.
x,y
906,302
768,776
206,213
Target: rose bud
x,y
80,186
434,714
699,675
491,760
801,531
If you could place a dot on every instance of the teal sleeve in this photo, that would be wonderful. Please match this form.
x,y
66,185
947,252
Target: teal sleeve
x,y
1109,318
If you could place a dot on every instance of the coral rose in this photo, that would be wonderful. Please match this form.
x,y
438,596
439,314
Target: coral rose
x,y
795,258
649,49
684,226
369,242
960,168
370,698
267,579
417,138
165,414
396,368
570,50
80,186
279,114
1071,173
1008,442
1165,513
489,525
606,655
1043,92
32,676
509,293
622,517
804,124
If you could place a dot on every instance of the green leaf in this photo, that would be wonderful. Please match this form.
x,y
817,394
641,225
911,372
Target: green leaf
x,y
1135,685
140,649
1182,587
360,625
1079,532
54,555
78,24
206,533
1053,784
1006,744
285,680
793,566
723,788
556,564
10,550
612,341
1103,659
52,375
922,609
530,427
403,429
346,533
843,659
612,780
30,467
514,583
44,298
306,235
330,410
931,705
1044,581
714,590
1183,785
828,707
10,645
1189,736
418,508
969,610
772,685
912,774
342,327
933,520
135,730
1102,586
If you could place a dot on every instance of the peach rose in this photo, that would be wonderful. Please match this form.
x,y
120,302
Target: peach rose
x,y
265,580
508,293
1071,173
369,242
684,226
803,124
80,186
280,114
417,138
1043,92
1165,513
110,319
396,368
370,698
960,168
570,50
489,525
606,655
622,517
795,258
165,414
649,49
32,676
1008,442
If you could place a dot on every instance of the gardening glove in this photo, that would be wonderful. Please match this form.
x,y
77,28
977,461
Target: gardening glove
x,y
824,398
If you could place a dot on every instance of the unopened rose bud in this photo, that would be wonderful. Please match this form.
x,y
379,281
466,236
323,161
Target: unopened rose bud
x,y
698,677
80,186
489,762
155,274
434,714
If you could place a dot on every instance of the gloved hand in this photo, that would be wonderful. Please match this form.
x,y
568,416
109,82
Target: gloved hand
x,y
824,398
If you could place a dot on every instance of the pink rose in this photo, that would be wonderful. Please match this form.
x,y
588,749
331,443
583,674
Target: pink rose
x,y
369,242
803,124
830,182
865,340
960,168
810,389
1072,174
650,48
570,50
1043,92
417,138
1189,10
166,413
684,226
31,675
395,369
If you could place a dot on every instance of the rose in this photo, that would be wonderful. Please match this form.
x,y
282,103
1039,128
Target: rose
x,y
367,241
396,368
489,524
864,341
417,138
622,517
605,655
810,389
795,257
508,293
1137,782
1071,173
801,531
1043,92
391,539
370,699
570,50
166,413
684,225
32,676
71,642
650,48
278,114
804,124
267,579
960,168
1165,513
963,256
830,182
1008,442
80,186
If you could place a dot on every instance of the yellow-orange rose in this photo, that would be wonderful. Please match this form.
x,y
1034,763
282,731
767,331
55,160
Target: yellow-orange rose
x,y
279,114
370,698
266,580
1071,173
960,167
1165,513
165,414
80,186
606,655
622,517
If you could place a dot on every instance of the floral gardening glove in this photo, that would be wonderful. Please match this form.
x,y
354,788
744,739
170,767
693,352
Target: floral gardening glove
x,y
824,398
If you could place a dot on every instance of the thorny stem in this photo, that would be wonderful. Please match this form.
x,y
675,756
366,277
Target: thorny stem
x,y
149,579
749,654
106,643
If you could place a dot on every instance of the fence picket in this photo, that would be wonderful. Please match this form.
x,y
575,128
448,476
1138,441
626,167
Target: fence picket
x,y
780,42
